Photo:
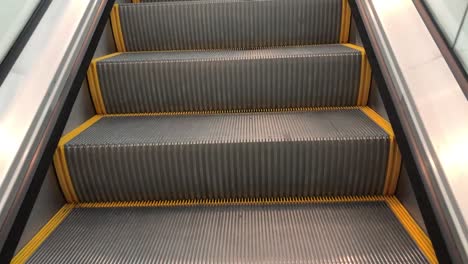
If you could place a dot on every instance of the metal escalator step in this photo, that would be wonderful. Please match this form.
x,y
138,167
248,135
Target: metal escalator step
x,y
235,155
228,24
345,230
286,77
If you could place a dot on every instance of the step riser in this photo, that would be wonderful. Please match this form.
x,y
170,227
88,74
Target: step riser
x,y
229,24
177,86
282,169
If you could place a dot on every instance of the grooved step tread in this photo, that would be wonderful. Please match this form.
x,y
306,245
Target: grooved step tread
x,y
337,125
226,55
361,231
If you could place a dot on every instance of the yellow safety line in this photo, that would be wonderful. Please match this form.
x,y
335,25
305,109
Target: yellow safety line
x,y
413,229
60,161
348,23
345,21
117,29
237,201
273,110
26,252
394,157
235,49
94,85
365,78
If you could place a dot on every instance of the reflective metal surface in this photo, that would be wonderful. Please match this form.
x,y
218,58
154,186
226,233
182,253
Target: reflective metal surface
x,y
14,15
432,108
33,91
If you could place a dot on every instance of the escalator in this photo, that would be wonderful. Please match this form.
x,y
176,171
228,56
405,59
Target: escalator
x,y
230,132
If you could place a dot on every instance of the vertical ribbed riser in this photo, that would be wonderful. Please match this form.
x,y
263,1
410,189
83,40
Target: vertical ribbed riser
x,y
229,24
283,169
150,85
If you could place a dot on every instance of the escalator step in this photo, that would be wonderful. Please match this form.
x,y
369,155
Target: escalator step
x,y
231,155
286,77
345,230
228,24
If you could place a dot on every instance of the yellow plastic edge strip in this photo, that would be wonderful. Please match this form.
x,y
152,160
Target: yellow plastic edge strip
x,y
273,110
394,157
345,21
94,85
26,252
240,201
365,78
60,161
117,29
413,229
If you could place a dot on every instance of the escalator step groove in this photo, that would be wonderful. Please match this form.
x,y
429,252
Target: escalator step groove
x,y
274,233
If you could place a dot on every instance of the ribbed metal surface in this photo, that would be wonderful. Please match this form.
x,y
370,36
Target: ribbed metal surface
x,y
286,77
154,1
226,156
215,24
364,232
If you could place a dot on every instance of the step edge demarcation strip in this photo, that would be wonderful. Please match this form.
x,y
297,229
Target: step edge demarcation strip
x,y
94,84
345,21
28,250
117,29
413,229
365,77
238,111
60,160
237,201
394,156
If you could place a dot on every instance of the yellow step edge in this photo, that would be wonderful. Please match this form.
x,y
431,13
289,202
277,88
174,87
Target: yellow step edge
x,y
365,77
345,21
94,85
26,252
261,110
236,49
117,29
239,201
413,229
60,160
394,156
